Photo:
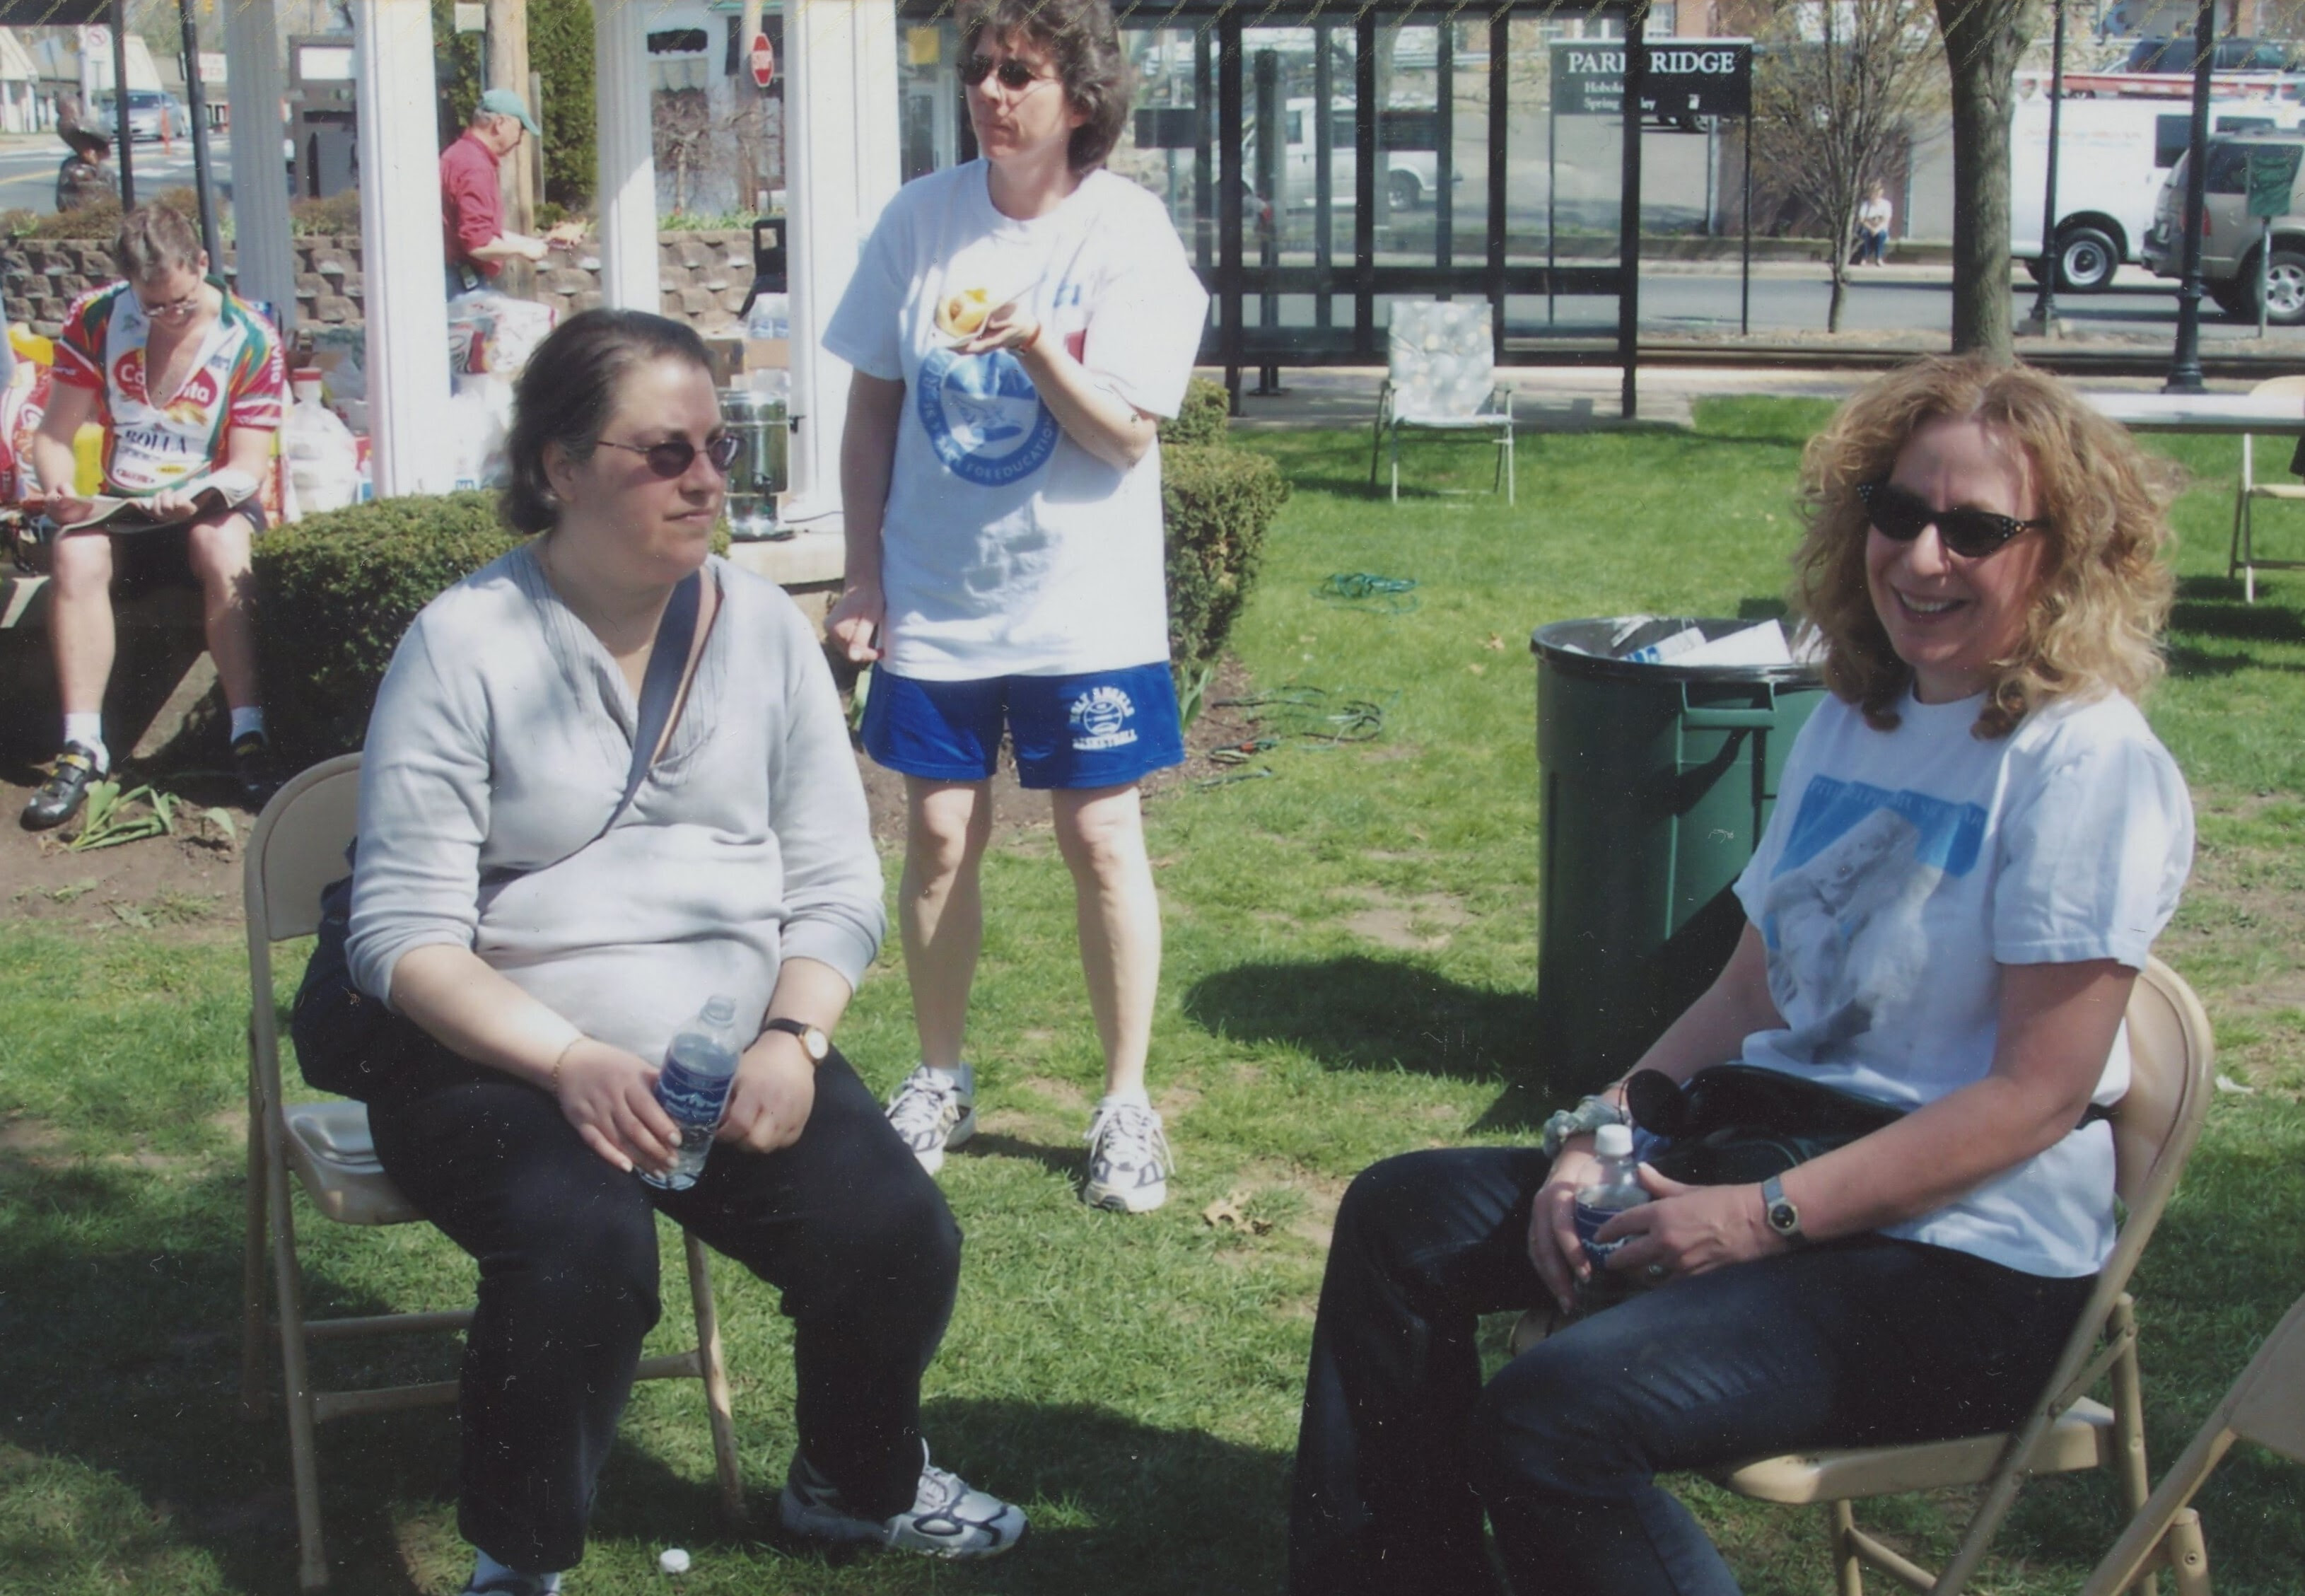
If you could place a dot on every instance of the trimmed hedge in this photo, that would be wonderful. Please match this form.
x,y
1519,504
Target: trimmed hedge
x,y
334,592
1218,502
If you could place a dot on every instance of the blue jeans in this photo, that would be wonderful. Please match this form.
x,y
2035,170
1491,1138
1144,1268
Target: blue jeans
x,y
1401,1452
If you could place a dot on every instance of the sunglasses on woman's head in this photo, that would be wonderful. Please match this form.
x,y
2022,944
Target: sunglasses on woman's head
x,y
674,455
1898,514
1014,74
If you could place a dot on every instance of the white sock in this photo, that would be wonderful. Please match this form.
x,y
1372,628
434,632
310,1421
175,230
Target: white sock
x,y
86,730
486,1568
248,720
962,1075
1136,1095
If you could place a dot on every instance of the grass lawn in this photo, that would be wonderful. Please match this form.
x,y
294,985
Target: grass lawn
x,y
1351,951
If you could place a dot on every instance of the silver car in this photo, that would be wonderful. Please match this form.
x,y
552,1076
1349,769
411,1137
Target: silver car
x,y
2234,258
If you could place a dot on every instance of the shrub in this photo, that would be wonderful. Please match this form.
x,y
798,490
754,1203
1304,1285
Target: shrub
x,y
1206,416
1218,503
335,591
339,215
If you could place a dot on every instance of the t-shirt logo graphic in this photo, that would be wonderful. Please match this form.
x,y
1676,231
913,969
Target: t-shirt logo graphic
x,y
1100,720
983,416
191,405
128,376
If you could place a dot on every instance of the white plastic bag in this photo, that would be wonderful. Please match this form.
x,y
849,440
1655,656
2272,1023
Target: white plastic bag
x,y
322,459
480,419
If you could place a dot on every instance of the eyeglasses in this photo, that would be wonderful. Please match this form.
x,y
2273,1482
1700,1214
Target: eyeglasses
x,y
1014,76
674,455
175,307
1898,514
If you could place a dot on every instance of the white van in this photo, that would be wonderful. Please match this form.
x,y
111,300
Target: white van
x,y
2112,156
1411,176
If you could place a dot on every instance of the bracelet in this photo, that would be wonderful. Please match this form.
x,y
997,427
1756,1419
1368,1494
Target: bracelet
x,y
558,1059
1587,1117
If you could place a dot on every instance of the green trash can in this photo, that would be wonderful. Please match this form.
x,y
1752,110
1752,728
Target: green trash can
x,y
1656,782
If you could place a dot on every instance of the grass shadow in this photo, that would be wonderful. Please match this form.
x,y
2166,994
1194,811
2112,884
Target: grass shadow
x,y
1066,1161
1361,1012
2214,606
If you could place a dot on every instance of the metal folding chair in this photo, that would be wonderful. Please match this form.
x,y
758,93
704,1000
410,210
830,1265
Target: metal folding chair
x,y
298,848
1441,377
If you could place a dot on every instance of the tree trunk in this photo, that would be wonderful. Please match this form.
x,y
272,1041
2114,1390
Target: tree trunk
x,y
1840,285
1983,39
507,68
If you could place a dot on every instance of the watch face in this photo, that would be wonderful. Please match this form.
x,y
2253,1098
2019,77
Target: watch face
x,y
1785,1217
816,1044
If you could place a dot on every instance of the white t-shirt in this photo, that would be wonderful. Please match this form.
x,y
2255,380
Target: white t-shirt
x,y
1873,215
1902,869
1006,548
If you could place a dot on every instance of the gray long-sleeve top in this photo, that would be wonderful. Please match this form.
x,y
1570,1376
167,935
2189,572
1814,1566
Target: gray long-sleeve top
x,y
501,739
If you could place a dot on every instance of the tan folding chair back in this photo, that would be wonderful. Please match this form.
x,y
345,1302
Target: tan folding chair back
x,y
2267,1405
2155,1126
297,849
2242,558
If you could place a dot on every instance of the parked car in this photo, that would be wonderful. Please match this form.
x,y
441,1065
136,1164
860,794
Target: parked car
x,y
144,106
2227,54
2233,242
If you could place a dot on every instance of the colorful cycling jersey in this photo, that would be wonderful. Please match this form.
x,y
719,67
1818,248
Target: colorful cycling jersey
x,y
152,443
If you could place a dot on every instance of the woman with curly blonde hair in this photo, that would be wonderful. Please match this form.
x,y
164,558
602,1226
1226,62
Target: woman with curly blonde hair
x,y
2103,592
1976,840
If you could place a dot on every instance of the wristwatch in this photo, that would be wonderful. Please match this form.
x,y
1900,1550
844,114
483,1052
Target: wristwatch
x,y
813,1041
1778,1209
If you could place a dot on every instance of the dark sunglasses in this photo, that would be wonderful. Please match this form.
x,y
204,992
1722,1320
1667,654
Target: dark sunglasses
x,y
674,455
1015,75
1898,514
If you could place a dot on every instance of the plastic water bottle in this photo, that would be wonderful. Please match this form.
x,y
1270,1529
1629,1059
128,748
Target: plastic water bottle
x,y
1618,1187
693,1087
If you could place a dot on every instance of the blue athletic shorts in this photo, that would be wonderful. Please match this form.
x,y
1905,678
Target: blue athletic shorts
x,y
1102,728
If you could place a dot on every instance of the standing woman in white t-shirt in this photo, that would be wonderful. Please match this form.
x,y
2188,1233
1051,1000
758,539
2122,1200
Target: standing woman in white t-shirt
x,y
1978,840
1018,327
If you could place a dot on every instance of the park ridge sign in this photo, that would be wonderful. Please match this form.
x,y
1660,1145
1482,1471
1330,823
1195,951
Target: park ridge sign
x,y
1688,77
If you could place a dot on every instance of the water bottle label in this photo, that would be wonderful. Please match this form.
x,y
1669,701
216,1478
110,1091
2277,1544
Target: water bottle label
x,y
1589,1220
691,1097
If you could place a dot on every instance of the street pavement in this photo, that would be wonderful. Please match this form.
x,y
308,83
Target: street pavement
x,y
29,163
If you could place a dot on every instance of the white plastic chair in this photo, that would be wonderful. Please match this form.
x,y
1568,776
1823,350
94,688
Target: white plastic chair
x,y
2243,556
298,848
1441,376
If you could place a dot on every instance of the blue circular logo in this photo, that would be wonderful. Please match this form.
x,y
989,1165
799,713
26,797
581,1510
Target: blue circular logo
x,y
984,417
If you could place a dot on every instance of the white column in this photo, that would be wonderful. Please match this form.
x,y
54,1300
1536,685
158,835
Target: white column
x,y
259,188
841,165
629,280
403,271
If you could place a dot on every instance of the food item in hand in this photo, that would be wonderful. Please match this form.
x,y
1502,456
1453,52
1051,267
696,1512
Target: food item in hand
x,y
962,315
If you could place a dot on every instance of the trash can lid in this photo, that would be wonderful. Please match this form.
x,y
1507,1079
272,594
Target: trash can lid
x,y
1596,649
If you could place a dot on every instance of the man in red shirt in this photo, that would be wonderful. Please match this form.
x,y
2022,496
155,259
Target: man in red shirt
x,y
471,207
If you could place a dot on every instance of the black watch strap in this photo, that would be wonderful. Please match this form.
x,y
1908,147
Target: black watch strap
x,y
813,1040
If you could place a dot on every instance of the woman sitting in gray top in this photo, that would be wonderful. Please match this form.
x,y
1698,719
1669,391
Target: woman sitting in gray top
x,y
545,964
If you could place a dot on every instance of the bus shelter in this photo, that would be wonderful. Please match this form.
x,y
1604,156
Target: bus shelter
x,y
1322,160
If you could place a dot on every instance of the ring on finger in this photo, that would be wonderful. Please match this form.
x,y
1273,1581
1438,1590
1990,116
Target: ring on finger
x,y
1658,1272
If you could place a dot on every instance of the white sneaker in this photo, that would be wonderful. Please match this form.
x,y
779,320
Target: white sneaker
x,y
932,1114
1129,1161
948,1517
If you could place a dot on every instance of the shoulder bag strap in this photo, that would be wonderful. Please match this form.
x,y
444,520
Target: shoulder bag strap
x,y
675,634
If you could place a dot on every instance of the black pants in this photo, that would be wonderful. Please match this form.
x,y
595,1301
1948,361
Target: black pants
x,y
843,1221
1863,1341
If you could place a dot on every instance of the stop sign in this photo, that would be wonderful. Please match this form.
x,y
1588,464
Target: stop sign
x,y
764,61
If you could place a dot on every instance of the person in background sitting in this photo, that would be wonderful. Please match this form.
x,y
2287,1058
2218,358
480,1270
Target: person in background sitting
x,y
187,380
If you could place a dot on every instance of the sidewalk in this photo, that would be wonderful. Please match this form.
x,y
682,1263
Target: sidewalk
x,y
1575,398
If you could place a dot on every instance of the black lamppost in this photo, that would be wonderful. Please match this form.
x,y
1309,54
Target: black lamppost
x,y
2185,361
2044,319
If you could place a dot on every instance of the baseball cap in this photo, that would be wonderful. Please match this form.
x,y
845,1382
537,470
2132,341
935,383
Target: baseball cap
x,y
505,102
